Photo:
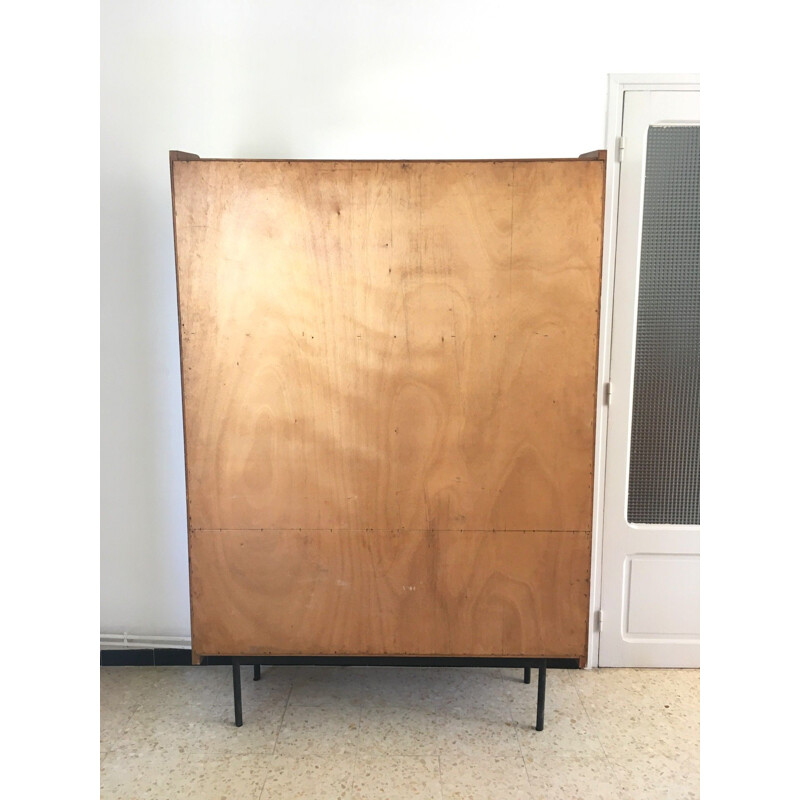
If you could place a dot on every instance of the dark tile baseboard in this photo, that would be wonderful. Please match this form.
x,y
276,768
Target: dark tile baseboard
x,y
177,657
147,657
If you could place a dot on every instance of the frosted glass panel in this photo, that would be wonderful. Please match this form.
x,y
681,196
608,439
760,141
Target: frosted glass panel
x,y
664,477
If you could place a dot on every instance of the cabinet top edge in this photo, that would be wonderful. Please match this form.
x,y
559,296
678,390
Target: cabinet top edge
x,y
182,157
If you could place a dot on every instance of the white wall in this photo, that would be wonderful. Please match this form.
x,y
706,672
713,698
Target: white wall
x,y
287,80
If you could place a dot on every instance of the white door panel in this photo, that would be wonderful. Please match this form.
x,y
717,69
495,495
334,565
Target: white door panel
x,y
650,567
663,601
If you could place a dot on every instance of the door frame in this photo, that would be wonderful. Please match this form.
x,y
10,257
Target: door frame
x,y
618,84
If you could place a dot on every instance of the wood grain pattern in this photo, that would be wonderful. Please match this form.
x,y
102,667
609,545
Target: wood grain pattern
x,y
401,593
389,374
389,345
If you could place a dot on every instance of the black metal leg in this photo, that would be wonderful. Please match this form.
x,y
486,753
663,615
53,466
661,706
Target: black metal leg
x,y
527,677
256,672
540,696
237,692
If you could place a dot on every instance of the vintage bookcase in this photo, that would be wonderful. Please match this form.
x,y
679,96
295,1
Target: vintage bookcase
x,y
389,375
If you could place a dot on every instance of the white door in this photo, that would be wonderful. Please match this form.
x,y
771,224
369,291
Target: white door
x,y
650,591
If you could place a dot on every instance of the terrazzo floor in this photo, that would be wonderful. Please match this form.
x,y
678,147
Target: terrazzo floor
x,y
357,732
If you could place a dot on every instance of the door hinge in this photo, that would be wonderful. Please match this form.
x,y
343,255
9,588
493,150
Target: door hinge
x,y
620,148
607,393
599,619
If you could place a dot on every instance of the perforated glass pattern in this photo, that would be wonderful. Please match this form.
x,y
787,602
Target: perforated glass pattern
x,y
664,477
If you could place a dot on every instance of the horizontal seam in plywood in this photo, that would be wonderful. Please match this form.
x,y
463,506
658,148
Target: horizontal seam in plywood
x,y
386,530
386,160
388,654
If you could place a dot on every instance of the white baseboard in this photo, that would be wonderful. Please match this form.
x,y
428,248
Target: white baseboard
x,y
130,641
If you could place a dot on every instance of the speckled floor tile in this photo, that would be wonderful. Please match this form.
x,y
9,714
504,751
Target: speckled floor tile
x,y
165,776
207,730
556,678
564,732
238,777
433,688
650,728
478,736
134,776
643,773
396,778
661,717
113,721
639,686
167,687
308,776
573,777
122,687
399,731
329,687
324,731
660,701
467,777
627,734
667,745
477,696
664,704
213,685
559,699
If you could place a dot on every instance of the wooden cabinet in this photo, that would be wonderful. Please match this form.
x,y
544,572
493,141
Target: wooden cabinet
x,y
389,378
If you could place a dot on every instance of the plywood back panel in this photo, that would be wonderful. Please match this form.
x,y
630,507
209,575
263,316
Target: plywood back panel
x,y
443,593
389,346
